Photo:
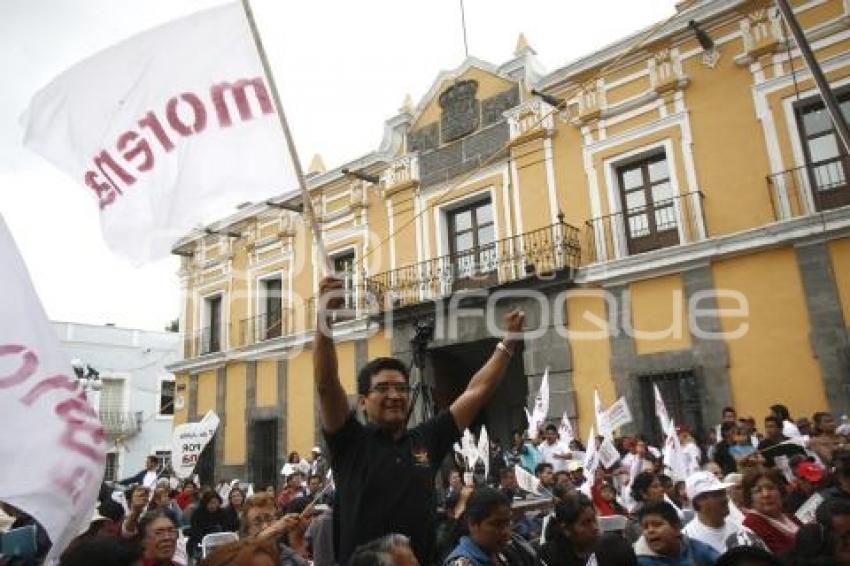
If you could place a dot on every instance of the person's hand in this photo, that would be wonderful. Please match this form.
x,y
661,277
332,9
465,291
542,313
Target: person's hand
x,y
513,328
281,526
466,492
331,294
138,500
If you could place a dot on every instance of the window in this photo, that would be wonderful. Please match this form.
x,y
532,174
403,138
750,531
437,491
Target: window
x,y
211,333
472,237
344,267
111,471
681,393
112,396
164,457
166,397
271,321
649,210
827,162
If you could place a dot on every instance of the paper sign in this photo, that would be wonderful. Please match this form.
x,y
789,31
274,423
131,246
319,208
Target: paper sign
x,y
617,415
806,512
188,442
608,454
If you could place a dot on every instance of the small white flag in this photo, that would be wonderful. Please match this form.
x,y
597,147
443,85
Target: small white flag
x,y
617,415
484,450
53,447
601,421
565,430
168,129
525,480
661,410
590,456
608,454
674,457
188,442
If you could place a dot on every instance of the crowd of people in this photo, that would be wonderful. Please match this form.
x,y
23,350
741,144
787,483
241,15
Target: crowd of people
x,y
398,495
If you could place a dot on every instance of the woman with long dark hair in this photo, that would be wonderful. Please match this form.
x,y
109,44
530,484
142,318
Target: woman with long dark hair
x,y
208,518
572,533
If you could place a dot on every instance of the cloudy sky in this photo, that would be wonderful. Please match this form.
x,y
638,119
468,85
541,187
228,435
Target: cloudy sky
x,y
342,68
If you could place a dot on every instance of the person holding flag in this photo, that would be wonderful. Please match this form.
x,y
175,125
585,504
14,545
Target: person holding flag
x,y
384,457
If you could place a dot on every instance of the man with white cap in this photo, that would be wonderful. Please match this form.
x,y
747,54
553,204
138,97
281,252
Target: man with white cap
x,y
318,466
711,524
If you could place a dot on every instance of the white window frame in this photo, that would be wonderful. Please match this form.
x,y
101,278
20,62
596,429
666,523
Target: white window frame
x,y
158,409
260,298
205,319
615,206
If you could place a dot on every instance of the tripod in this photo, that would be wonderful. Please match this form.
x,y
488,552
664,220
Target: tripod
x,y
420,391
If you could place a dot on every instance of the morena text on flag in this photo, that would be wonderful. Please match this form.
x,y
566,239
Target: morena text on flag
x,y
185,115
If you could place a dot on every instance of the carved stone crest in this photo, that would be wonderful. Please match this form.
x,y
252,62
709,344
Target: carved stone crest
x,y
460,110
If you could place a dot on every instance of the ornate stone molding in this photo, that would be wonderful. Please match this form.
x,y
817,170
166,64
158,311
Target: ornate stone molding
x,y
530,120
591,102
401,174
762,33
665,72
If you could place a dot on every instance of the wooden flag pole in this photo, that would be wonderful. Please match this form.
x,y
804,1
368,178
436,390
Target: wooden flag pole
x,y
293,153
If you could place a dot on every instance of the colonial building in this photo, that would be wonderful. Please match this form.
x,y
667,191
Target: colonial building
x,y
123,373
681,219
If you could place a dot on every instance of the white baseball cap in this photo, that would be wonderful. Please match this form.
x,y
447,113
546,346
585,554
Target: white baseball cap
x,y
704,482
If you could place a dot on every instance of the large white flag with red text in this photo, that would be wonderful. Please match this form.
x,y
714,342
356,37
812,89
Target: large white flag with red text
x,y
168,129
52,445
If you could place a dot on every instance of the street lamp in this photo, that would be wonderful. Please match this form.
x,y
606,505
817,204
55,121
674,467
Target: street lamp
x,y
89,380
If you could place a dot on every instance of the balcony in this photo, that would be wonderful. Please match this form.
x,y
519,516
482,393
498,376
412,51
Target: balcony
x,y
261,328
642,229
811,188
540,253
120,423
207,340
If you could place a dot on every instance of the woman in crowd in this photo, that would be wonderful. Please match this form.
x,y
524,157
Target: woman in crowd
x,y
488,515
763,491
234,508
646,487
572,533
208,518
162,500
158,538
188,495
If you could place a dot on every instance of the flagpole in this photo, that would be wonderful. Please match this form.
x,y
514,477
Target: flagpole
x,y
293,153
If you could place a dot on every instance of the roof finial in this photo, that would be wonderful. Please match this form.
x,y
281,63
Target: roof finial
x,y
522,46
317,165
407,105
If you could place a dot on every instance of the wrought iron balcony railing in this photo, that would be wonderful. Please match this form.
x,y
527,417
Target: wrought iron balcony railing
x,y
539,253
641,229
262,327
117,422
811,188
208,340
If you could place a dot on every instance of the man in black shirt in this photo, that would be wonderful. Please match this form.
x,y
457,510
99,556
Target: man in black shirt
x,y
772,446
384,473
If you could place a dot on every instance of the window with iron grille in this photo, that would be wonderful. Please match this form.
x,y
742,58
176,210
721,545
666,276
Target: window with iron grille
x,y
111,471
166,397
272,320
112,396
649,211
472,237
211,334
681,393
164,457
344,265
827,163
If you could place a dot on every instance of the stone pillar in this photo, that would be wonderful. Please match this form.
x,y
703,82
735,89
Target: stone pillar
x,y
829,333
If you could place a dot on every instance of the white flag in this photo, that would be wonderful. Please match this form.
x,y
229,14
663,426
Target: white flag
x,y
168,129
601,420
565,430
617,415
484,450
661,411
541,402
608,454
525,480
590,456
53,446
674,457
188,442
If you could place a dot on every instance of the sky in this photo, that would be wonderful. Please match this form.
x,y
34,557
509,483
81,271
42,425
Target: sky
x,y
342,69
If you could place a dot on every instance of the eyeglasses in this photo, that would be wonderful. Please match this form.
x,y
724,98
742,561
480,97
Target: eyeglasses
x,y
165,533
385,387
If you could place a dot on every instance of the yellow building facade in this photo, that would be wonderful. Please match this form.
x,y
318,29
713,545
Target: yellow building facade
x,y
666,213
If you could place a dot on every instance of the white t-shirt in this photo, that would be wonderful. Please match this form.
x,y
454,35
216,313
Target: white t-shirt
x,y
728,536
548,451
693,456
149,480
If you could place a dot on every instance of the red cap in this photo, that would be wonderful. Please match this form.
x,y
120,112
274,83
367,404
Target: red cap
x,y
809,471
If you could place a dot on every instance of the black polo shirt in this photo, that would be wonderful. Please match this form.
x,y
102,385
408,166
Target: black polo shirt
x,y
387,486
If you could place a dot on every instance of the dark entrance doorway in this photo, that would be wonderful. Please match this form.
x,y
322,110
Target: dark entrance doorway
x,y
453,366
680,391
265,452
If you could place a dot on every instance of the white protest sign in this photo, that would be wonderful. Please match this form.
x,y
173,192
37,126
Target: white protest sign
x,y
53,447
183,130
608,454
806,512
601,421
617,415
565,430
188,441
484,450
525,480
